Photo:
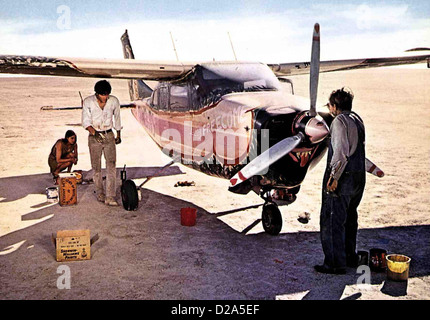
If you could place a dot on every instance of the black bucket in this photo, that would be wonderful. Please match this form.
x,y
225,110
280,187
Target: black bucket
x,y
363,258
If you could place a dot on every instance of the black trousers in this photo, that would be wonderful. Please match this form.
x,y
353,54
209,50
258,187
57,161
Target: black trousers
x,y
339,220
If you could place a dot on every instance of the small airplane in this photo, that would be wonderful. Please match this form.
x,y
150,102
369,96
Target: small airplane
x,y
229,119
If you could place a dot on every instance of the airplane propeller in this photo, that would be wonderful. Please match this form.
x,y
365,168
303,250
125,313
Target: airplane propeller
x,y
315,69
265,159
314,129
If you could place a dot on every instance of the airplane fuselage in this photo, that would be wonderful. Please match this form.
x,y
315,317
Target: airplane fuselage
x,y
217,128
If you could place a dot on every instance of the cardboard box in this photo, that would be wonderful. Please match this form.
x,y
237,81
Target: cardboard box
x,y
67,189
73,245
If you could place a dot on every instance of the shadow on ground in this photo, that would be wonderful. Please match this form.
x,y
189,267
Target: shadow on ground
x,y
148,254
14,188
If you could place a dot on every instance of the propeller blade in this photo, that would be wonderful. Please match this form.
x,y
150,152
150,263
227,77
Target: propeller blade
x,y
315,69
373,169
268,157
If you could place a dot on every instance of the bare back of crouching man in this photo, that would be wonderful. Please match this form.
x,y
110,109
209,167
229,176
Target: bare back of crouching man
x,y
101,114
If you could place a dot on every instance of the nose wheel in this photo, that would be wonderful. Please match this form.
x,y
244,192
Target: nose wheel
x,y
271,218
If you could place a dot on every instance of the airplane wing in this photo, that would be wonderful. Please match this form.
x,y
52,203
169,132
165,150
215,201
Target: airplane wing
x,y
95,68
163,70
289,69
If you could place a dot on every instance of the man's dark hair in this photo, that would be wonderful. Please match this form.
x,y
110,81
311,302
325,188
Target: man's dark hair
x,y
342,98
103,87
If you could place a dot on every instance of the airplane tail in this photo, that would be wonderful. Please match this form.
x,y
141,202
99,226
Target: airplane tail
x,y
137,88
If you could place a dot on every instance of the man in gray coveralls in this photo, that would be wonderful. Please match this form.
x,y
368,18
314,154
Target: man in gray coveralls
x,y
343,185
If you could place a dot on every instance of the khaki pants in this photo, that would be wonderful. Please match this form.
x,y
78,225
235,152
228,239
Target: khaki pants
x,y
108,149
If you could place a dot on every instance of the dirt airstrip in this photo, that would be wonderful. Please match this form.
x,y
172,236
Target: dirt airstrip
x,y
147,254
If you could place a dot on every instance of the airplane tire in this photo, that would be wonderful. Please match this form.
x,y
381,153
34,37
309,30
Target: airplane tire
x,y
129,196
271,219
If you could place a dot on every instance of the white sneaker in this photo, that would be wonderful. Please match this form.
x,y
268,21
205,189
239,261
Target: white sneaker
x,y
111,201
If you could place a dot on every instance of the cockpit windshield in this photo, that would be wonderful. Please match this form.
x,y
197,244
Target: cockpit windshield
x,y
207,83
212,80
241,77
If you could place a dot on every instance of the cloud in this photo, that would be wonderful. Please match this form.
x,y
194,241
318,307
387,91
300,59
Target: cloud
x,y
194,39
347,31
20,26
367,17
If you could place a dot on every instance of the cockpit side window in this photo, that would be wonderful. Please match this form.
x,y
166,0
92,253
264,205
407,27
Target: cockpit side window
x,y
179,100
160,97
154,98
163,99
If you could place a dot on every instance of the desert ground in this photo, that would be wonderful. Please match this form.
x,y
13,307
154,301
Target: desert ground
x,y
147,254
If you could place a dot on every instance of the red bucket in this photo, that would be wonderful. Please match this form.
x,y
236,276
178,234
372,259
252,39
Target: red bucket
x,y
188,216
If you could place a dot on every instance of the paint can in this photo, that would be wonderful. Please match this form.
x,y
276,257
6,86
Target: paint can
x,y
188,216
79,176
398,267
377,261
52,194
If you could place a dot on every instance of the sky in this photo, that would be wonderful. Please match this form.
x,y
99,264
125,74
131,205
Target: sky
x,y
270,31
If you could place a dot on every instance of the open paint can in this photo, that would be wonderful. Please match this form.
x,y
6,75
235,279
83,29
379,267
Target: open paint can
x,y
79,176
398,267
52,194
